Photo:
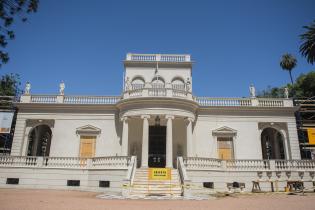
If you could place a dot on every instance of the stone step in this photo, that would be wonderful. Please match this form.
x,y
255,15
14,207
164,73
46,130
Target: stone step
x,y
156,182
156,193
142,186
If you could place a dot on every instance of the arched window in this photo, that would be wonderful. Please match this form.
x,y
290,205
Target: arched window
x,y
158,82
178,84
39,141
137,83
272,144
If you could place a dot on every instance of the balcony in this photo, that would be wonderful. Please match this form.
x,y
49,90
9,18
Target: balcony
x,y
151,91
158,58
157,90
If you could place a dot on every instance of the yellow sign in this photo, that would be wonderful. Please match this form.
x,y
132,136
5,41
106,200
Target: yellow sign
x,y
160,174
311,135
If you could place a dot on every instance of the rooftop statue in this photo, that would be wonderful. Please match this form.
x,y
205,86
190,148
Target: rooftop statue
x,y
27,89
62,88
286,92
252,91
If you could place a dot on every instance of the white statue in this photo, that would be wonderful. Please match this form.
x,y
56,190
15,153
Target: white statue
x,y
27,89
252,91
286,92
62,88
188,85
127,84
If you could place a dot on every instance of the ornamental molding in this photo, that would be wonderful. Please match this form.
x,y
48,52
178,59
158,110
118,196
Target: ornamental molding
x,y
277,125
224,131
88,130
35,122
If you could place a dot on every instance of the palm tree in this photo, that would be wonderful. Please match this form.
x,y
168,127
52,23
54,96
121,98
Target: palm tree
x,y
307,48
287,63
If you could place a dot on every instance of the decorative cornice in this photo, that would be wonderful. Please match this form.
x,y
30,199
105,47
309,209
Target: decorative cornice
x,y
88,130
224,131
35,122
276,125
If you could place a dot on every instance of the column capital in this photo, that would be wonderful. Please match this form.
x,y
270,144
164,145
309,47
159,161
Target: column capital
x,y
169,117
189,119
145,116
124,118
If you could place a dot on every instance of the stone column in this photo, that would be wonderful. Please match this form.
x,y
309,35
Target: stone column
x,y
145,141
124,139
169,141
189,136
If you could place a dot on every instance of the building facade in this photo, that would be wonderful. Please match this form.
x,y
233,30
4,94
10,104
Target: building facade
x,y
157,122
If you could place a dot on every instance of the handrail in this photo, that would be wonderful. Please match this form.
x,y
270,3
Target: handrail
x,y
182,170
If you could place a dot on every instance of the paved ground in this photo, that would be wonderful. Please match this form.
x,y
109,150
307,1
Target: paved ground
x,y
13,199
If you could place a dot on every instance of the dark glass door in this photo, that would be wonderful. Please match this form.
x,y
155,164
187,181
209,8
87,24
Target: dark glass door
x,y
157,146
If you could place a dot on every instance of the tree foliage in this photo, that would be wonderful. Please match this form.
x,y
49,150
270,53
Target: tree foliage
x,y
9,11
304,87
288,62
307,48
10,85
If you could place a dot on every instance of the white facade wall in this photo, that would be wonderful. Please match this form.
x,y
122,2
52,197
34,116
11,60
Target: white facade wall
x,y
65,141
148,73
247,141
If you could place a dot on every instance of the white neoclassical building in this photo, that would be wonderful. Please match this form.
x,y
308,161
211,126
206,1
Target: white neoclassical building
x,y
107,143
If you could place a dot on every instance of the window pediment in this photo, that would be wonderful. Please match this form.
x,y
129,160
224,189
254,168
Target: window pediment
x,y
224,131
88,130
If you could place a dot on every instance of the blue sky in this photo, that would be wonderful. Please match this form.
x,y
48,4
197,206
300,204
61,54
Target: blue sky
x,y
234,43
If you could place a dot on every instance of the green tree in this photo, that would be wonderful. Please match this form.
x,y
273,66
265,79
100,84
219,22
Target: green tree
x,y
304,86
10,85
287,63
9,10
307,48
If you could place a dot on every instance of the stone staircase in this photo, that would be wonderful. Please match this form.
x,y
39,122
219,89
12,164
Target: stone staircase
x,y
145,187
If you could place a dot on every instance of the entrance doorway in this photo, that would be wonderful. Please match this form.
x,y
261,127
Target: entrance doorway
x,y
157,146
272,144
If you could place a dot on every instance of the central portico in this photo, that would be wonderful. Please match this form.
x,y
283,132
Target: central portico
x,y
157,110
157,139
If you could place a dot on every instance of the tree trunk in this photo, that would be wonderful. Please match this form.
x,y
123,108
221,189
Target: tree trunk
x,y
291,77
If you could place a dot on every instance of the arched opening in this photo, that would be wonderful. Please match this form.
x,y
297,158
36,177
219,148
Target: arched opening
x,y
272,144
158,82
39,141
137,83
178,84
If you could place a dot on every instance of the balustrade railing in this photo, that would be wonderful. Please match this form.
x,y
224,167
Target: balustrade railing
x,y
44,99
270,102
18,161
65,162
202,163
287,165
254,165
170,90
205,101
197,163
158,57
91,99
110,162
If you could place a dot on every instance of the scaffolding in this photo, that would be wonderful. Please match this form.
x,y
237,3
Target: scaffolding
x,y
7,105
305,119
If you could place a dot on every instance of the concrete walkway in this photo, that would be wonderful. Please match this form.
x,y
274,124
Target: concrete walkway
x,y
16,199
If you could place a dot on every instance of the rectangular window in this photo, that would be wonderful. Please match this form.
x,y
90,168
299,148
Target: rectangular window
x,y
74,183
208,185
225,148
13,180
87,146
104,184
